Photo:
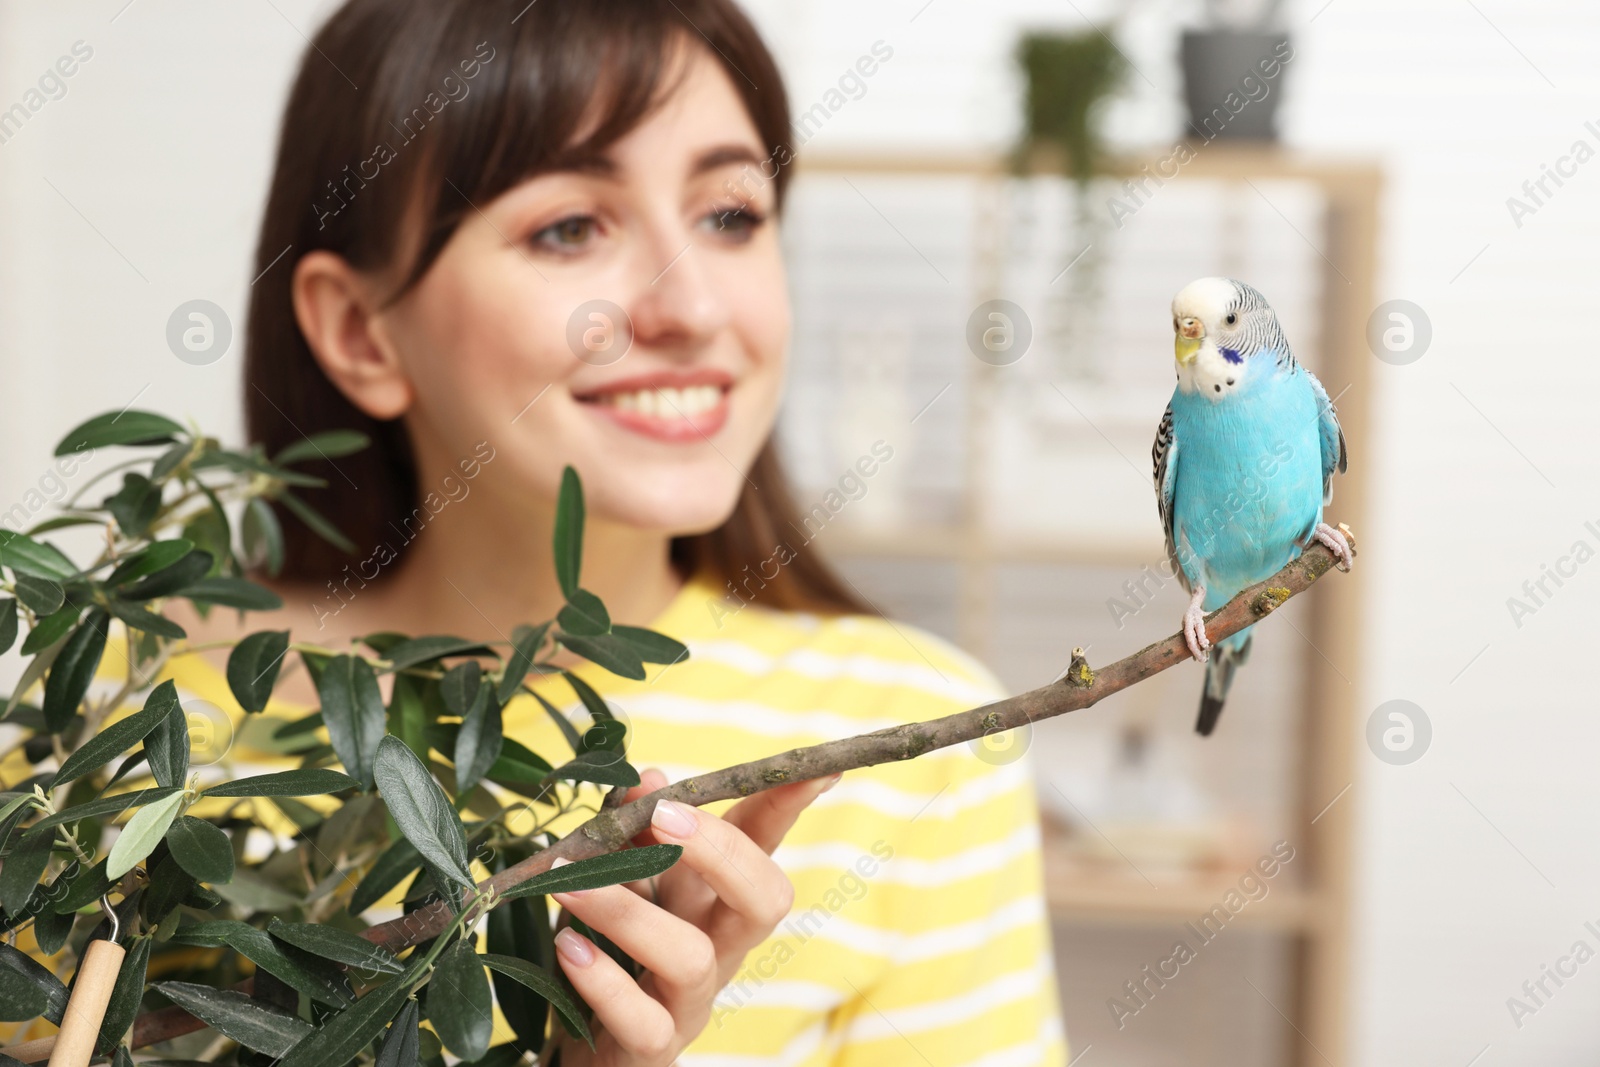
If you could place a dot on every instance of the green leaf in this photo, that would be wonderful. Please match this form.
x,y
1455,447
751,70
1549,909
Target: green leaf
x,y
525,642
521,929
262,536
8,625
584,615
135,505
478,742
330,444
352,709
85,888
568,539
408,714
397,861
55,994
170,579
23,868
420,650
169,886
152,558
120,428
593,702
125,995
422,811
253,667
608,651
599,766
142,834
401,1044
25,555
650,646
544,983
50,629
252,464
611,868
340,946
201,849
120,735
169,460
253,1023
50,931
459,1005
238,593
20,998
564,724
307,782
73,670
42,595
93,809
459,687
143,619
517,765
167,749
316,523
310,977
341,1037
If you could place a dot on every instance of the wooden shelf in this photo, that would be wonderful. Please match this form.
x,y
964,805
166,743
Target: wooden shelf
x,y
950,543
1075,894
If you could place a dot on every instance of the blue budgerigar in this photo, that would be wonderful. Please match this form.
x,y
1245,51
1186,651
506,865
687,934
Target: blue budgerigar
x,y
1244,463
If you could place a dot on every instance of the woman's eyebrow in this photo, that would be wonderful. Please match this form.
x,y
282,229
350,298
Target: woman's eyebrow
x,y
721,156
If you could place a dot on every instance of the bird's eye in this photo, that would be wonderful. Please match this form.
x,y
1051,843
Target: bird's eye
x,y
1232,318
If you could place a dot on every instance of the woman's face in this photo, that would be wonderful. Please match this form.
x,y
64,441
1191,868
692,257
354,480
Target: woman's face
x,y
520,332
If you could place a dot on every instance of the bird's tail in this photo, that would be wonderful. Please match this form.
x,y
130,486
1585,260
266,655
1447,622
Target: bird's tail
x,y
1226,657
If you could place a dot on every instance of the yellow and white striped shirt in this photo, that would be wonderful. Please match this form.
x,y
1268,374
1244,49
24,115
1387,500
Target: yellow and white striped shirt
x,y
918,934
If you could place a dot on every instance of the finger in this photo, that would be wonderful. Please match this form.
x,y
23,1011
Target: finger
x,y
769,814
636,1021
744,891
650,779
679,954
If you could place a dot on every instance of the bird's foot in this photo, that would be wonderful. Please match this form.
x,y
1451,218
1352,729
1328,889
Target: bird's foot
x,y
1337,543
1194,627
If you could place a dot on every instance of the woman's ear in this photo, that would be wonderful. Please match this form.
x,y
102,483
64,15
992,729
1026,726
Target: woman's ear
x,y
335,307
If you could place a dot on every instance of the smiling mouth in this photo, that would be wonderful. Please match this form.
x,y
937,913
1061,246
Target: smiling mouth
x,y
677,412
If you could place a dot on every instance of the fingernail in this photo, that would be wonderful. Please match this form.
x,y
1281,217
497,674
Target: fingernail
x,y
672,819
574,947
562,861
832,781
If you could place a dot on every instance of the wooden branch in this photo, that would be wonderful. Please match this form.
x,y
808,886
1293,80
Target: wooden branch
x,y
614,828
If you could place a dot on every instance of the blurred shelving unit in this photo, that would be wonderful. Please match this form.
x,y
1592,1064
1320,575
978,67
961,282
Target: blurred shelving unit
x,y
973,552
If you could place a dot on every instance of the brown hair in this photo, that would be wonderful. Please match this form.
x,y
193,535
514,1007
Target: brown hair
x,y
492,95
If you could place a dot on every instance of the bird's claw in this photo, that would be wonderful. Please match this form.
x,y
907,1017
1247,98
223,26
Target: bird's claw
x,y
1337,543
1194,628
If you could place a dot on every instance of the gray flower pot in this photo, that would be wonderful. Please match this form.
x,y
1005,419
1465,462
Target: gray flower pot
x,y
1233,81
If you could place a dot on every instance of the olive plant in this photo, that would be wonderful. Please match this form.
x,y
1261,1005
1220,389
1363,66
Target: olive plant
x,y
112,833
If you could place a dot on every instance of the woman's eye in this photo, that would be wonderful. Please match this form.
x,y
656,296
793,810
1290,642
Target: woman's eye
x,y
736,223
568,234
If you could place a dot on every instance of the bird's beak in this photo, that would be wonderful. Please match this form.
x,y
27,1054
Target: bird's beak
x,y
1191,331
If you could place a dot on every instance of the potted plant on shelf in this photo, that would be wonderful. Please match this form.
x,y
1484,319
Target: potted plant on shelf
x,y
1230,71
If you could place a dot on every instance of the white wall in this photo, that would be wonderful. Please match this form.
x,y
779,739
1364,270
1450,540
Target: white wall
x,y
1476,865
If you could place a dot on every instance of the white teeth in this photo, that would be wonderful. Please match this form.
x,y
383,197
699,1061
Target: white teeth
x,y
667,403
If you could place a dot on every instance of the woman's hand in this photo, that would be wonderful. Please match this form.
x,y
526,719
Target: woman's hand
x,y
691,934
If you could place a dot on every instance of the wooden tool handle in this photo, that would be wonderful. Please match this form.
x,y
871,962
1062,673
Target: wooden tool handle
x,y
91,992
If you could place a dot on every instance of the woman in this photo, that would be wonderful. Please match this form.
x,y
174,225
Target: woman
x,y
501,239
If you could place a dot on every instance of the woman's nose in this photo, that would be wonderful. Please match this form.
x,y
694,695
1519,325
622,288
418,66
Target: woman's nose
x,y
679,304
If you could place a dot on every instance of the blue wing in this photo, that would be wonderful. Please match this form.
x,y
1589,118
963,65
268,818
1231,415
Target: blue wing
x,y
1331,434
1164,459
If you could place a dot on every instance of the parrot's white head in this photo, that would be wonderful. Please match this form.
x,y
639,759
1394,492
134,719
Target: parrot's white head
x,y
1218,325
